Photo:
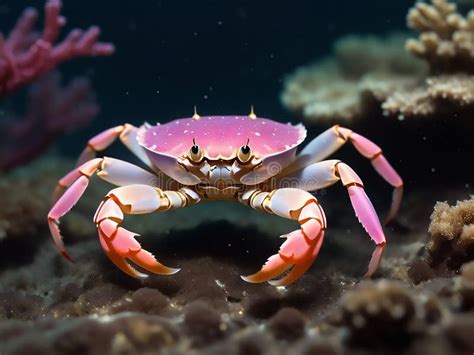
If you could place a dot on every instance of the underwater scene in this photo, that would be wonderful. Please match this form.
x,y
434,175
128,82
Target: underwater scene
x,y
236,177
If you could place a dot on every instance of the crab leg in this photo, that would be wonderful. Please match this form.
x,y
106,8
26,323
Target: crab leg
x,y
127,135
319,175
120,244
116,171
302,246
334,138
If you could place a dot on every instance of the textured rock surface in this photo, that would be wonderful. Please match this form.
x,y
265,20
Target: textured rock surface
x,y
49,306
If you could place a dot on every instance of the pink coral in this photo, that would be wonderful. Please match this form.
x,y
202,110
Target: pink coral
x,y
25,55
51,110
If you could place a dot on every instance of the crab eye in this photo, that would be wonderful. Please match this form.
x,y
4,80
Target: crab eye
x,y
244,153
195,153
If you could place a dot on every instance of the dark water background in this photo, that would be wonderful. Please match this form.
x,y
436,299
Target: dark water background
x,y
222,56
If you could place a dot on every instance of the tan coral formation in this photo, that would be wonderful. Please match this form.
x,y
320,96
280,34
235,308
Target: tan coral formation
x,y
432,97
321,92
363,70
369,74
452,233
465,287
386,312
446,39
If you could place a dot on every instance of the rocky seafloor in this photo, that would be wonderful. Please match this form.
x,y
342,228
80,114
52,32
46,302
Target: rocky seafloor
x,y
415,303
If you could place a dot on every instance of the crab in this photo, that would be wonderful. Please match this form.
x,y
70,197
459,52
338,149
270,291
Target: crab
x,y
246,158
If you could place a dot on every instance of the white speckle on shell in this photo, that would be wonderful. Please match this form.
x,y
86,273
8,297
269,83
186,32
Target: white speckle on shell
x,y
221,136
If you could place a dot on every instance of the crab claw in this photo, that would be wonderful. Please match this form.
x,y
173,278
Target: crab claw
x,y
298,252
295,254
120,245
274,267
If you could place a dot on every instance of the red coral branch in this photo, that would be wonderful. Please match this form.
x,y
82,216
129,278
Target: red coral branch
x,y
51,111
25,55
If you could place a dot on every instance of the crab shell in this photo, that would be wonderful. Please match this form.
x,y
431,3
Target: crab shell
x,y
221,137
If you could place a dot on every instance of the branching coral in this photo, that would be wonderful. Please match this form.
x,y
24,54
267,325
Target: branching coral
x,y
51,110
25,54
438,94
372,75
363,71
446,38
446,43
321,92
452,233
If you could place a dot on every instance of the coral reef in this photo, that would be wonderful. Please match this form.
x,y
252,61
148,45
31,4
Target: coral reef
x,y
287,323
452,234
51,110
386,312
49,306
367,76
26,199
465,287
446,39
440,94
337,89
25,55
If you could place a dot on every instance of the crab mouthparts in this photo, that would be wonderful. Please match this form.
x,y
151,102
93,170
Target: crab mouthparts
x,y
220,174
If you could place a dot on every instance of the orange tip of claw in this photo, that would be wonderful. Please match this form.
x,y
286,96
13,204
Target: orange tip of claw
x,y
251,279
172,271
246,279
